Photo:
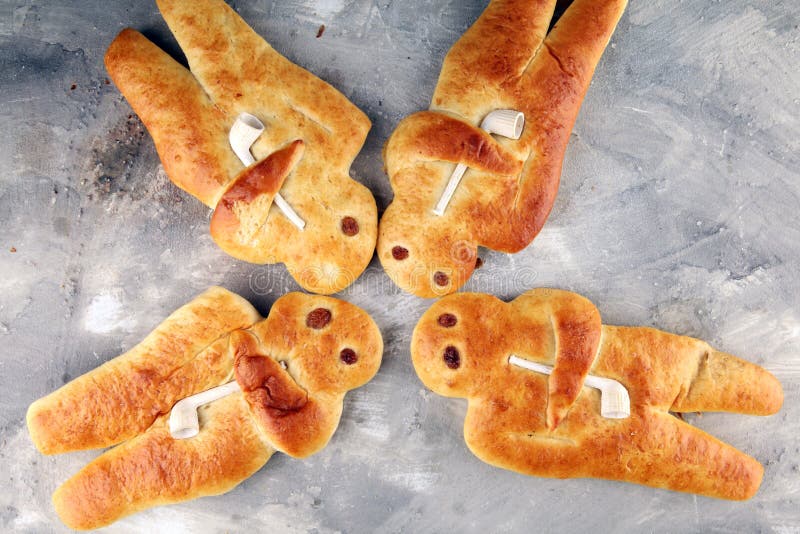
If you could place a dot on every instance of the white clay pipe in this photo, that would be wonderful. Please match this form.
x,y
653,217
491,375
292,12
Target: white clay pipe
x,y
183,420
614,400
506,122
243,134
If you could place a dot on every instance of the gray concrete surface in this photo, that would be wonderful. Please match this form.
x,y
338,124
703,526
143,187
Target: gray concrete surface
x,y
678,209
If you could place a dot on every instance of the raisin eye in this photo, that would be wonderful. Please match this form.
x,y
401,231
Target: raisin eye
x,y
349,226
447,320
451,357
399,253
440,278
348,356
318,318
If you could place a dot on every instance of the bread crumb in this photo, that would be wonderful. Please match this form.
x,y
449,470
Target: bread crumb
x,y
12,249
320,31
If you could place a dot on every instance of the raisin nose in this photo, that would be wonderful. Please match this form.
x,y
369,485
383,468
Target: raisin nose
x,y
451,357
349,226
399,253
447,320
348,356
318,318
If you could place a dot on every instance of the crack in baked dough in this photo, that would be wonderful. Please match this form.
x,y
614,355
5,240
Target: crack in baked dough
x,y
305,114
544,437
541,38
521,177
557,59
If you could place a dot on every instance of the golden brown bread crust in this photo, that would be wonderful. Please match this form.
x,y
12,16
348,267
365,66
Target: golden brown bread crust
x,y
152,469
185,354
432,136
507,424
234,223
313,360
294,410
189,131
189,115
504,61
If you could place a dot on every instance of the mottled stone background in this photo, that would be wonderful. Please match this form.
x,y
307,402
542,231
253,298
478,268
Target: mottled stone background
x,y
678,209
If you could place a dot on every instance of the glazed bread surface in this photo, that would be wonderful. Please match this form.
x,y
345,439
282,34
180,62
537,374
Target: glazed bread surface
x,y
189,114
185,354
551,426
293,369
506,60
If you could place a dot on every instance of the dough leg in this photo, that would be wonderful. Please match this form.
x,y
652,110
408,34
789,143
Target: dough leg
x,y
184,355
651,448
496,49
674,455
728,384
581,34
178,115
153,469
511,30
518,439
